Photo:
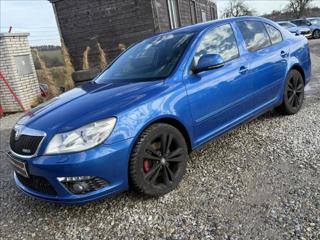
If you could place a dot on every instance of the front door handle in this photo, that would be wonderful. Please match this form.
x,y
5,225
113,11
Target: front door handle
x,y
243,70
283,54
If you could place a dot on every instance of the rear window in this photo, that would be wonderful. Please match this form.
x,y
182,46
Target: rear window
x,y
255,35
274,34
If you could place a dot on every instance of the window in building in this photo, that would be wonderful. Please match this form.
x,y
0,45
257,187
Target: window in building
x,y
254,34
213,13
193,11
204,15
173,8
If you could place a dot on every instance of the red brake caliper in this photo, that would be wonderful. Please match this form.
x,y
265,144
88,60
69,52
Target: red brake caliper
x,y
146,165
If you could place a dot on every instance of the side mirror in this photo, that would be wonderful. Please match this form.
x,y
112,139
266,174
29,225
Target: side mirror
x,y
298,33
208,62
83,76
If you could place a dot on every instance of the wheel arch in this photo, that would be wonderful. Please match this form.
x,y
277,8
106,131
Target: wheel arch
x,y
173,122
178,125
300,70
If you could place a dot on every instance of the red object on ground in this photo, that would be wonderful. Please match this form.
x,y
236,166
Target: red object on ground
x,y
12,92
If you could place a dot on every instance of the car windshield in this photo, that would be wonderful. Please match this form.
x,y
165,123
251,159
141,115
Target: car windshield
x,y
302,22
152,59
315,21
287,24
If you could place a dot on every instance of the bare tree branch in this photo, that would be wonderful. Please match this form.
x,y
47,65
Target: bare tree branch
x,y
237,8
298,7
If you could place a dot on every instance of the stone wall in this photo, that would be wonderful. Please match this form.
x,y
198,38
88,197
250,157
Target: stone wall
x,y
17,66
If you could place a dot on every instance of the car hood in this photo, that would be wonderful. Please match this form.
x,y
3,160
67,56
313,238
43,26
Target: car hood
x,y
86,104
293,29
304,29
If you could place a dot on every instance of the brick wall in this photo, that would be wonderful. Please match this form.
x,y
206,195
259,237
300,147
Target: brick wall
x,y
26,86
83,23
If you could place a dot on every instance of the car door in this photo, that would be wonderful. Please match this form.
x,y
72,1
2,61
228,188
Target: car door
x,y
218,97
268,61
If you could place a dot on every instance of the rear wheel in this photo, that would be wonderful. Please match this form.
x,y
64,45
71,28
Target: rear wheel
x,y
316,34
293,94
158,161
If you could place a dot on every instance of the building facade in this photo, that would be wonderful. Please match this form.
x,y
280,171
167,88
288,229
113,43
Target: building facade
x,y
115,25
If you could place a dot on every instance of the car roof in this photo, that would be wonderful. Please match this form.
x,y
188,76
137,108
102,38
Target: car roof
x,y
202,26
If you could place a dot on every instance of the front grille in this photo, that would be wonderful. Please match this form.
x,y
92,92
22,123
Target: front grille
x,y
38,184
25,144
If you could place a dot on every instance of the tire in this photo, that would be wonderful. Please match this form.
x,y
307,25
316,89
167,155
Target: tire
x,y
293,94
316,34
158,160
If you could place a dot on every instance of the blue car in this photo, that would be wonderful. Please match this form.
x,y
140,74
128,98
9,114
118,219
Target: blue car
x,y
306,23
135,124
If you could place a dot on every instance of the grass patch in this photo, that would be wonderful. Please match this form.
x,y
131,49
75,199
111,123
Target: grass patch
x,y
52,58
57,74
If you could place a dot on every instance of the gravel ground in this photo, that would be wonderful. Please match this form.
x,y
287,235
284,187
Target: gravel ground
x,y
260,181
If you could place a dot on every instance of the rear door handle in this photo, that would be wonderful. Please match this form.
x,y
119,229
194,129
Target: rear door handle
x,y
283,54
243,70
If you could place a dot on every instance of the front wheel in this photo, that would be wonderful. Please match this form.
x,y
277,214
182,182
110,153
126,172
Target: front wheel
x,y
158,160
293,93
316,34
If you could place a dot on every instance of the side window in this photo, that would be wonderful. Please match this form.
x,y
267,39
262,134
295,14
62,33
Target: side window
x,y
254,34
274,34
220,40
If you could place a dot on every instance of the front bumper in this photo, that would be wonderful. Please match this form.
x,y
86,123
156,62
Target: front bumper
x,y
308,35
108,162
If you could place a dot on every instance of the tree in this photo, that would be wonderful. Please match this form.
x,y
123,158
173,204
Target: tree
x,y
237,8
298,7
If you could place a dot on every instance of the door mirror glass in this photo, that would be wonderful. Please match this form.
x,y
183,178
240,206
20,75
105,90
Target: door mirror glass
x,y
208,62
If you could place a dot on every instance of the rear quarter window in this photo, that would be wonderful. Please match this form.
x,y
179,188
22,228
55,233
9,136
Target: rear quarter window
x,y
254,34
274,34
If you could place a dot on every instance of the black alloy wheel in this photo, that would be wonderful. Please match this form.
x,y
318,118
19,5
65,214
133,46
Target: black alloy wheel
x,y
294,93
316,34
158,161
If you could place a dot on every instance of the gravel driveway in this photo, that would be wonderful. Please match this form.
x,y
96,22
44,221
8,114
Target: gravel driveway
x,y
260,181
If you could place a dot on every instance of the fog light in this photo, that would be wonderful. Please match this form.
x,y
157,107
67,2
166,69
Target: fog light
x,y
80,187
82,184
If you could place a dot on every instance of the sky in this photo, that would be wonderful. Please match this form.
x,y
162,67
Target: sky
x,y
37,17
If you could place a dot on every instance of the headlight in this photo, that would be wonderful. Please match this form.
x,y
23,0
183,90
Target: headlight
x,y
82,138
